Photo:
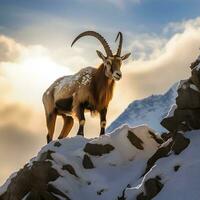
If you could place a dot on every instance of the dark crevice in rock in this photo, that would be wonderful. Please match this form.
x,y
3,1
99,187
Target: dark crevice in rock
x,y
53,190
100,192
155,137
180,143
135,141
87,163
57,144
33,195
176,168
123,197
166,136
152,187
160,153
48,196
98,149
70,169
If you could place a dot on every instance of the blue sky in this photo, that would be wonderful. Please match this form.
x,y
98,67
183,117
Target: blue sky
x,y
134,16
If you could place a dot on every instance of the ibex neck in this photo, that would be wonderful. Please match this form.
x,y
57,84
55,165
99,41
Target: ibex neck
x,y
102,87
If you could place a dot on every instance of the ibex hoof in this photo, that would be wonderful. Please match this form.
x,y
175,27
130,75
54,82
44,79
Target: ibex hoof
x,y
48,139
80,133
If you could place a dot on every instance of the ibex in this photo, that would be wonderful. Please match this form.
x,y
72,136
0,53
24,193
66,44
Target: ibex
x,y
90,89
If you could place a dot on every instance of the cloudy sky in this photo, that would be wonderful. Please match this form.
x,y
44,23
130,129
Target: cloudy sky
x,y
35,38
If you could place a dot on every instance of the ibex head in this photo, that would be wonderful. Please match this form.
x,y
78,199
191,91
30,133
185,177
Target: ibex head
x,y
111,62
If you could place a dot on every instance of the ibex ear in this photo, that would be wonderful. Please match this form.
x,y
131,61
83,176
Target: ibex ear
x,y
100,55
125,56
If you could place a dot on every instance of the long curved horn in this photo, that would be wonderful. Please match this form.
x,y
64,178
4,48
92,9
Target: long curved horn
x,y
99,37
120,43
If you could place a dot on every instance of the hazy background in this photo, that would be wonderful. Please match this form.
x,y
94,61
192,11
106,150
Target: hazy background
x,y
35,38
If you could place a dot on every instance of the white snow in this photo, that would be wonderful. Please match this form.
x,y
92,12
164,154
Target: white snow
x,y
112,171
171,111
183,184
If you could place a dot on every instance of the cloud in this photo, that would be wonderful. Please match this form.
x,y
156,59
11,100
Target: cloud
x,y
17,146
14,113
22,134
9,49
175,27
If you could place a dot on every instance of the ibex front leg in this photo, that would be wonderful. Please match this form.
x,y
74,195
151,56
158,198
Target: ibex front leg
x,y
103,114
81,118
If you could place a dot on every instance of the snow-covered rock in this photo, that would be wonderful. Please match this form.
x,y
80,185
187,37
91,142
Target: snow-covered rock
x,y
177,175
150,111
185,116
79,168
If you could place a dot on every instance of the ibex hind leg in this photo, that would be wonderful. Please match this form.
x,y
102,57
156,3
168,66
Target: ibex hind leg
x,y
51,120
68,124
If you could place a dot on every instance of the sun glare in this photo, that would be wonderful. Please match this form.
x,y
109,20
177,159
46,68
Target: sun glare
x,y
31,77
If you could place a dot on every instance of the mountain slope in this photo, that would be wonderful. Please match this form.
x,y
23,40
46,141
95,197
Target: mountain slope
x,y
81,169
150,111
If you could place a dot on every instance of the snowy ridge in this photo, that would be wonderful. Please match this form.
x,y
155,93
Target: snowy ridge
x,y
150,111
115,169
118,155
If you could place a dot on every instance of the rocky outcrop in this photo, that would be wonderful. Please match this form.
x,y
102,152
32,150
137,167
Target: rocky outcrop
x,y
32,182
185,115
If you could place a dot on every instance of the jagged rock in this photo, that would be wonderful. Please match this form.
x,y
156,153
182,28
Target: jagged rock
x,y
160,153
187,117
196,76
152,187
156,138
87,163
34,178
141,196
195,63
70,169
98,149
188,96
53,190
135,141
180,143
166,136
